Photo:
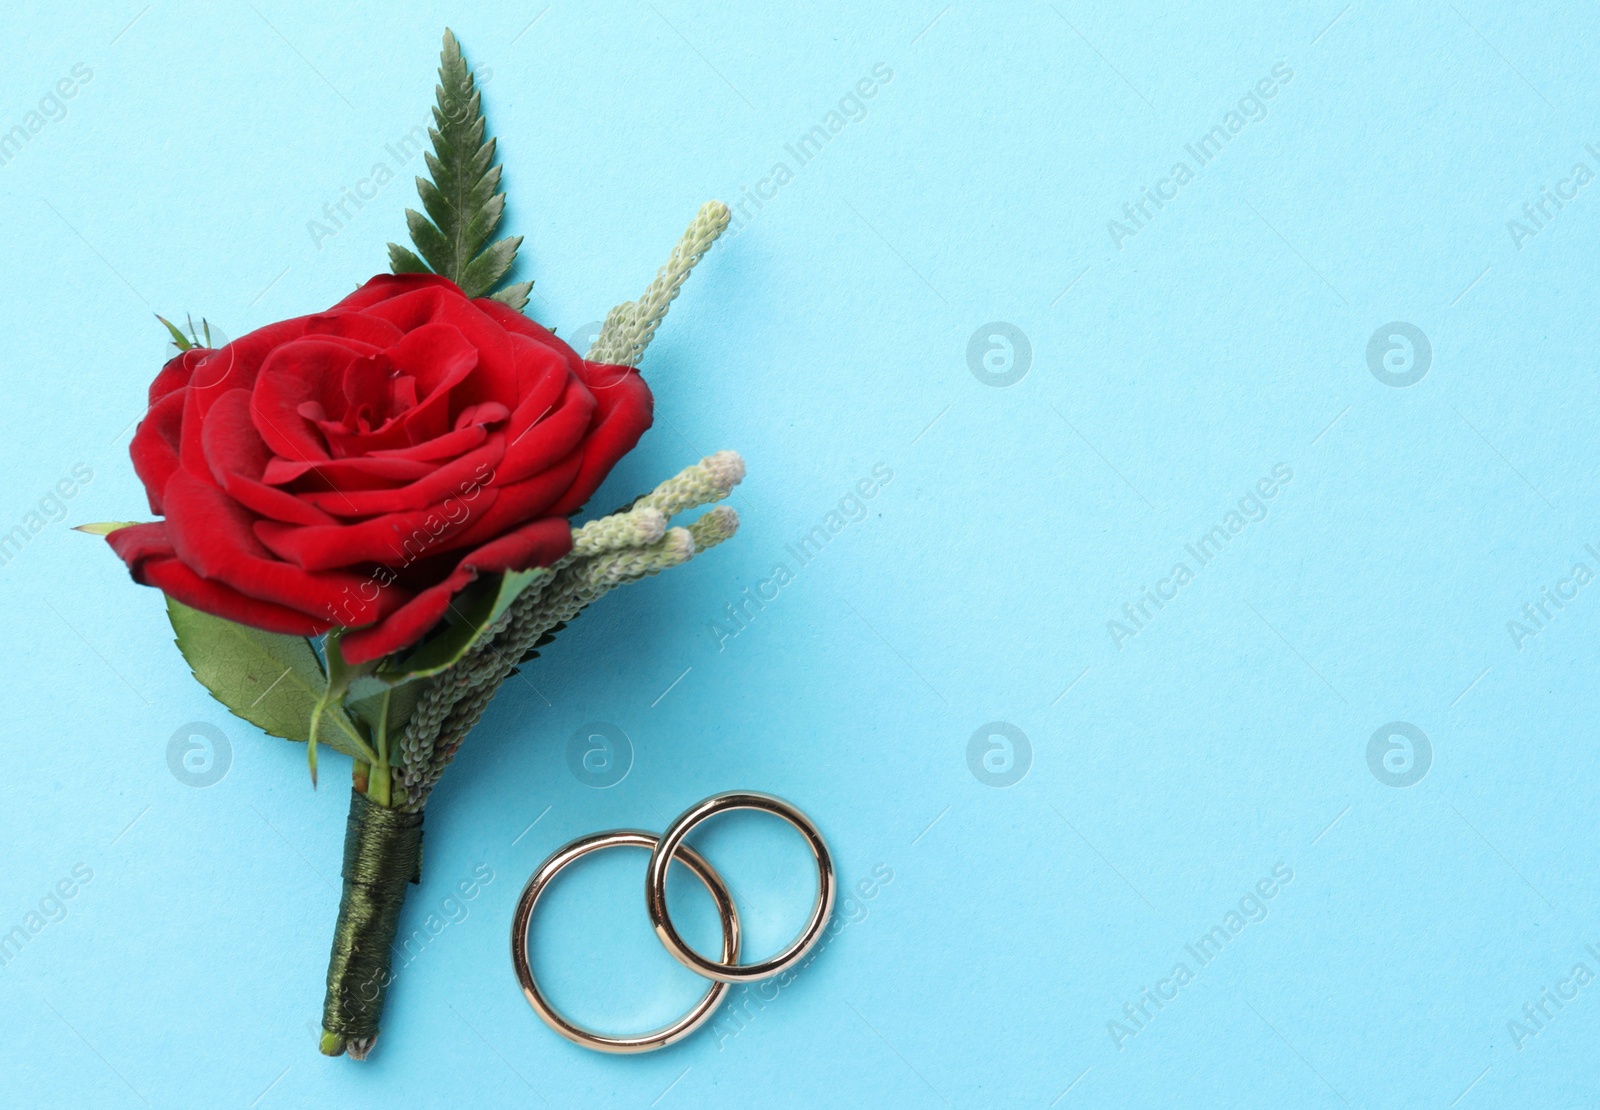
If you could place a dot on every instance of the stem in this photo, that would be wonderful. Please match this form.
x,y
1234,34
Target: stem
x,y
382,854
378,788
360,741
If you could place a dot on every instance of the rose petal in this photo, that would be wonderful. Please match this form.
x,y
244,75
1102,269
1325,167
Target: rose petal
x,y
446,446
433,361
487,412
212,534
237,456
519,324
177,372
306,372
539,543
392,540
385,286
235,366
377,334
472,469
495,376
538,439
152,562
399,397
156,443
625,413
371,472
519,502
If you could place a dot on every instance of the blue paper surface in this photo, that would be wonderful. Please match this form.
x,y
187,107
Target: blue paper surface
x,y
1200,708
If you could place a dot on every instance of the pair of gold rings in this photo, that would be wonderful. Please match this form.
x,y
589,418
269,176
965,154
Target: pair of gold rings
x,y
664,849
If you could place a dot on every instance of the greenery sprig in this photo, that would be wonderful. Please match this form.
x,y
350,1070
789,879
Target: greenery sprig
x,y
464,200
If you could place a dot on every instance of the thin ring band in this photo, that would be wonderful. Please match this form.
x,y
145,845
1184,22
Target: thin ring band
x,y
729,970
588,1038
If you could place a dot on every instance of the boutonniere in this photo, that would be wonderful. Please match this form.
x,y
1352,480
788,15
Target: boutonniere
x,y
367,514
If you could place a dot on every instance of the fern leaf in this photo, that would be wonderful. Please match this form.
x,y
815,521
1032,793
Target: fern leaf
x,y
402,261
463,202
514,296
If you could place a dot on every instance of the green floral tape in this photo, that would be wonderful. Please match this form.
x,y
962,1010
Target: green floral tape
x,y
382,854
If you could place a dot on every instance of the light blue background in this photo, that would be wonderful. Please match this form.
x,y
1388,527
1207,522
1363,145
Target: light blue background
x,y
1168,775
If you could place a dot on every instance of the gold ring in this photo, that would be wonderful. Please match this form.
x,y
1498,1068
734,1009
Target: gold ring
x,y
671,845
540,880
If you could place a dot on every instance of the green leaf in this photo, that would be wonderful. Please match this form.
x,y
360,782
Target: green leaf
x,y
193,339
270,680
179,340
482,605
463,201
329,707
369,706
431,242
402,261
489,267
516,296
103,527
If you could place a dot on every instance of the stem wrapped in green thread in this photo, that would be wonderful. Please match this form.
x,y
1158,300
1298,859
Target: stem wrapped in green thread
x,y
382,854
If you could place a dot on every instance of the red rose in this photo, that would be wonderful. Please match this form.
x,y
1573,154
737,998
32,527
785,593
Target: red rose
x,y
362,466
